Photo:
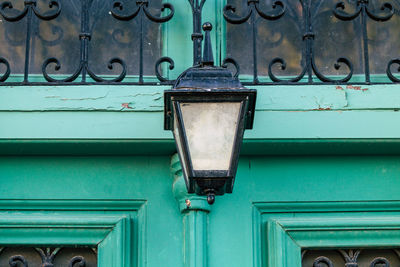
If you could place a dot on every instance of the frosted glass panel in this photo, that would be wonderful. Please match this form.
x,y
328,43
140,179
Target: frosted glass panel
x,y
178,142
210,130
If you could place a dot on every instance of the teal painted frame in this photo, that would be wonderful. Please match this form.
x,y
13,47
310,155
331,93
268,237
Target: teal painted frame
x,y
127,120
282,229
116,227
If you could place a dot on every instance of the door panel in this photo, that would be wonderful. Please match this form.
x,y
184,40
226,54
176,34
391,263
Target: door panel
x,y
315,188
114,227
123,205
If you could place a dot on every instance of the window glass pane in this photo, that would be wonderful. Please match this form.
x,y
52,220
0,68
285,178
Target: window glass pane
x,y
345,257
37,257
383,39
279,38
59,38
329,38
115,38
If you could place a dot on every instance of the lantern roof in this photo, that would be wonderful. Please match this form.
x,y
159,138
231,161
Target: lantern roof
x,y
207,77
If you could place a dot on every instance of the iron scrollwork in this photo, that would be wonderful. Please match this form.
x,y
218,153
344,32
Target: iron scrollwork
x,y
253,9
83,68
304,22
351,258
364,11
47,256
30,9
324,260
14,260
77,260
309,14
308,48
83,8
142,9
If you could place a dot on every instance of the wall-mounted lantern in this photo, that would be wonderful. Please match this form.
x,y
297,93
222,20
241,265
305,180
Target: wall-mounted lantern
x,y
208,110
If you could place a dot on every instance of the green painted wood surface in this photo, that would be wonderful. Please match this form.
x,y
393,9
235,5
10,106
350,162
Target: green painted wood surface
x,y
115,227
149,125
340,181
128,147
194,211
294,114
112,184
231,222
74,145
281,232
150,98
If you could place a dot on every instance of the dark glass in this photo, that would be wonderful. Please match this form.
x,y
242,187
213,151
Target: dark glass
x,y
279,38
59,38
115,38
383,40
332,38
59,257
339,258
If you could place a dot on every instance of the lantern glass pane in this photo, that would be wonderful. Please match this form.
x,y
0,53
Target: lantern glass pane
x,y
210,131
178,141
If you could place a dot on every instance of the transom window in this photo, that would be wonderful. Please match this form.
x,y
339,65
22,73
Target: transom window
x,y
351,258
265,41
50,256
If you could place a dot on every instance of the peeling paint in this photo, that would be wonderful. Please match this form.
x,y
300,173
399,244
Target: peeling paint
x,y
85,98
346,99
126,105
357,88
322,108
149,99
144,94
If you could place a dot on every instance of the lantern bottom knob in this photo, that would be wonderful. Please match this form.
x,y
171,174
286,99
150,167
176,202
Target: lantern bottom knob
x,y
211,197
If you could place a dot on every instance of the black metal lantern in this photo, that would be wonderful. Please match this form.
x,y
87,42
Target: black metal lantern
x,y
208,110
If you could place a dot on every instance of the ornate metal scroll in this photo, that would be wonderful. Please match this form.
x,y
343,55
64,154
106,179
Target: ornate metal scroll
x,y
352,258
48,258
197,36
304,14
83,68
142,11
253,9
29,11
309,14
364,11
83,71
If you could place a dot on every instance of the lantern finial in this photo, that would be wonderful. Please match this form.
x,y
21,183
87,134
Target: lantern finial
x,y
208,59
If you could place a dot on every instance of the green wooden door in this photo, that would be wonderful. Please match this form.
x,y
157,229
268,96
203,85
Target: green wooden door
x,y
126,208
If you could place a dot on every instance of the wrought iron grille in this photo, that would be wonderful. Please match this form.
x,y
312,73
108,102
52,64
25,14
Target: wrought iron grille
x,y
351,258
306,41
37,30
47,257
268,42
